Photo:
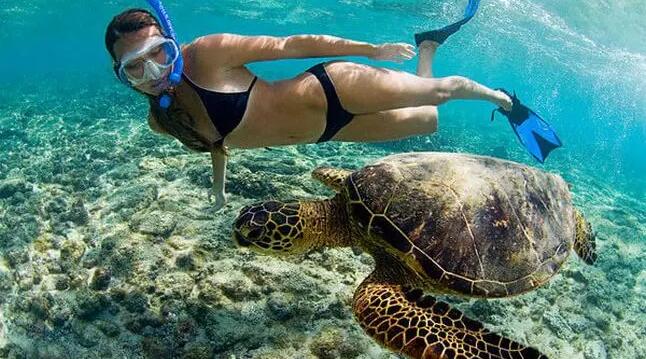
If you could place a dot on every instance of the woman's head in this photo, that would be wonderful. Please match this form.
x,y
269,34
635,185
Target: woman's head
x,y
142,55
133,35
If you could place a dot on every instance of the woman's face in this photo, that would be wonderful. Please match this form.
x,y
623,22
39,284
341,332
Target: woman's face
x,y
130,43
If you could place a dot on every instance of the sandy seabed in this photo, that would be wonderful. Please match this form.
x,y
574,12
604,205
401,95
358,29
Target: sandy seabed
x,y
109,248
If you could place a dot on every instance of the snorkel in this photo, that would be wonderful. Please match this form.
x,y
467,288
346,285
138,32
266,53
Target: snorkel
x,y
175,76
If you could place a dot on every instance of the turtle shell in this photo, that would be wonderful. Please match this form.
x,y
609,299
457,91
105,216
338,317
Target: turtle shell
x,y
470,224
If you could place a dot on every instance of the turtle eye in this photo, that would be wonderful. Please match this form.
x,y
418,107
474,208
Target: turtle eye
x,y
243,220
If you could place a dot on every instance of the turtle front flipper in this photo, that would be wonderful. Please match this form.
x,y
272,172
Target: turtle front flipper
x,y
584,242
420,327
334,178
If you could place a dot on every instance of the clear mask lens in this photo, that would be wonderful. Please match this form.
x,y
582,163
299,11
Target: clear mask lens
x,y
150,62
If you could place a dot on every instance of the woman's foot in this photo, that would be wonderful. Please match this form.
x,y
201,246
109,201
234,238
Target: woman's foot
x,y
503,100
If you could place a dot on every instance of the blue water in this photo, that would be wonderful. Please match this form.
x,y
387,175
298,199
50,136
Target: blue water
x,y
67,125
579,65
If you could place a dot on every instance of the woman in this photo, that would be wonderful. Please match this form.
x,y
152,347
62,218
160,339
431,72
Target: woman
x,y
219,102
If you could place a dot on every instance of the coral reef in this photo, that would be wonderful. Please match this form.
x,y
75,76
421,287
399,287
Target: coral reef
x,y
109,248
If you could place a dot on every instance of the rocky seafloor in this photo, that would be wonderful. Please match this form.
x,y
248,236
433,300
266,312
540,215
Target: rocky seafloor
x,y
109,248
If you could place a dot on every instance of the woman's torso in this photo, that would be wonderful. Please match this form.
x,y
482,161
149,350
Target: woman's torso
x,y
278,113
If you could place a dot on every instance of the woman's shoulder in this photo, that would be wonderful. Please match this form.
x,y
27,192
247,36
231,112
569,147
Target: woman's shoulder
x,y
217,50
215,39
211,42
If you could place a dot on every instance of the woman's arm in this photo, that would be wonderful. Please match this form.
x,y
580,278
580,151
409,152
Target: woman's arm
x,y
236,50
219,165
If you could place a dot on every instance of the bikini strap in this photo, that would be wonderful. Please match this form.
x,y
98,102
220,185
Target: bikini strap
x,y
252,83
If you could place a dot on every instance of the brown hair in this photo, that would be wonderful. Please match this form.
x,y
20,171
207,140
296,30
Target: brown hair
x,y
178,123
175,120
131,20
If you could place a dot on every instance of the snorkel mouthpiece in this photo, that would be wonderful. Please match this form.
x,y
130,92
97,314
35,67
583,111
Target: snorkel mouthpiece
x,y
175,76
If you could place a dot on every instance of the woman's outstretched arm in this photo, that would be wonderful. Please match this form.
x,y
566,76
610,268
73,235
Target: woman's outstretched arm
x,y
236,50
219,166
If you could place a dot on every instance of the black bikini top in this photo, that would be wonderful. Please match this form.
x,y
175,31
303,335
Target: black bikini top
x,y
225,109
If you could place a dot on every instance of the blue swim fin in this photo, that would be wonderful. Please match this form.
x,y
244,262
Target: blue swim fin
x,y
442,34
538,137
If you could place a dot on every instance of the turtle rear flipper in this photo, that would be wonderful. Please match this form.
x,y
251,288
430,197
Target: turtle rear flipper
x,y
405,321
584,242
334,178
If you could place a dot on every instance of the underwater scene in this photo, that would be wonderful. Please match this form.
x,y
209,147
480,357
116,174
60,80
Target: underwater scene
x,y
111,248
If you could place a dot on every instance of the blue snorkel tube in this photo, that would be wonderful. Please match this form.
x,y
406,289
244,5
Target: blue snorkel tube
x,y
175,76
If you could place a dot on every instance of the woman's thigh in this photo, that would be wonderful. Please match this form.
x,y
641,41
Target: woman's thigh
x,y
390,125
367,89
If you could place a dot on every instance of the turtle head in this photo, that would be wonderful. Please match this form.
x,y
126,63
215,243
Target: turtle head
x,y
271,227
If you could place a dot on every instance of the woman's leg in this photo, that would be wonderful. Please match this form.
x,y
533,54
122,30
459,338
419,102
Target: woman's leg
x,y
366,89
398,123
390,125
425,58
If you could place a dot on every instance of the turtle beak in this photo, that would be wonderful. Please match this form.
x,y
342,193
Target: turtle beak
x,y
241,240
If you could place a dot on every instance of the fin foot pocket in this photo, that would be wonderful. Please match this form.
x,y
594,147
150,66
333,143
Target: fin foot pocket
x,y
440,35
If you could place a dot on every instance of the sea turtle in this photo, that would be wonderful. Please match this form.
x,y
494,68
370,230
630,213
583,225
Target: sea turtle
x,y
442,222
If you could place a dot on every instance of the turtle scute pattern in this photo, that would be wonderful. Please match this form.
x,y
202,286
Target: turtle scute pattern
x,y
419,326
422,206
271,225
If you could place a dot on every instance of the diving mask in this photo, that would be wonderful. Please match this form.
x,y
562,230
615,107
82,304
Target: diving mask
x,y
150,62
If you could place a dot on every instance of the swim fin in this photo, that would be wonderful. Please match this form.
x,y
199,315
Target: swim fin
x,y
538,137
442,34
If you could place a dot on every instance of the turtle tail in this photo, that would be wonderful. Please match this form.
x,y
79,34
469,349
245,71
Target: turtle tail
x,y
585,241
334,178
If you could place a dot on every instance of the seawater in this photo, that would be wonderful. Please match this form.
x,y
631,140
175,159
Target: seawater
x,y
88,193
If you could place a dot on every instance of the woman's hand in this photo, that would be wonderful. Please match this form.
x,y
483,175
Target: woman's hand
x,y
396,52
220,198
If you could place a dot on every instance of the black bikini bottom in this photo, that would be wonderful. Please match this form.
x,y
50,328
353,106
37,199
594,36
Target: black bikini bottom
x,y
337,117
